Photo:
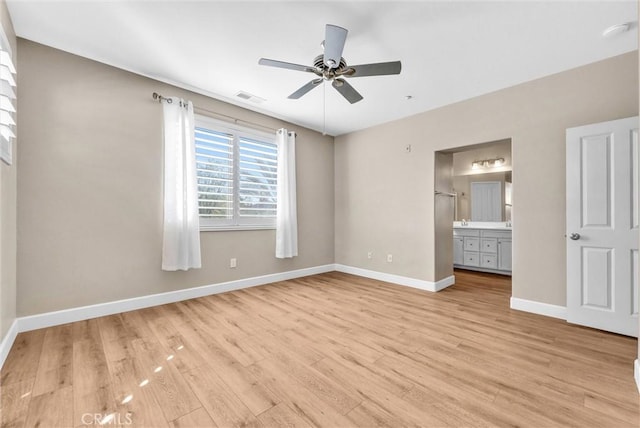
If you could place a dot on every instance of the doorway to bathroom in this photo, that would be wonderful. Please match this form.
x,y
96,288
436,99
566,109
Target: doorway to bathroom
x,y
474,212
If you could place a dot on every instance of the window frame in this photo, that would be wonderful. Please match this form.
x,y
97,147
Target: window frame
x,y
236,222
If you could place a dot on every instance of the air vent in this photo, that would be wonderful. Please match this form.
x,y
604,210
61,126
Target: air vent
x,y
250,97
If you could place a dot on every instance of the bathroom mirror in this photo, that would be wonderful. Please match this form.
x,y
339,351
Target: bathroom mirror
x,y
483,197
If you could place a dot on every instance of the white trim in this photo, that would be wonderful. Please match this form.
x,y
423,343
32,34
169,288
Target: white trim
x,y
49,319
397,279
636,373
231,127
539,308
7,341
444,283
227,228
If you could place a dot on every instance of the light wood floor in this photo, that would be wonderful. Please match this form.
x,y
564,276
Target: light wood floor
x,y
330,350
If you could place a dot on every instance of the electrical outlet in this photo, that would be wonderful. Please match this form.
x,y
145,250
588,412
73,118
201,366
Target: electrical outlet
x,y
370,255
389,258
233,263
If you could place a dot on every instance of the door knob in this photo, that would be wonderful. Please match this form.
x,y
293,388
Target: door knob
x,y
574,236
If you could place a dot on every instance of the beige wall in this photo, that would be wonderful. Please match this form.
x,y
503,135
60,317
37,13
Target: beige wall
x,y
90,189
384,196
8,213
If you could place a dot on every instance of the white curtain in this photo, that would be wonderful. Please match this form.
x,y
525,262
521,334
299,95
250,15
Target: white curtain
x,y
286,213
181,230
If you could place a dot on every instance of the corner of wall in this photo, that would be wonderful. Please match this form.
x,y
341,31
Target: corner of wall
x,y
8,195
7,342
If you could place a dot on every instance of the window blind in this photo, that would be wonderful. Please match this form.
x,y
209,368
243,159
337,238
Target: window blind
x,y
258,174
7,100
237,176
214,166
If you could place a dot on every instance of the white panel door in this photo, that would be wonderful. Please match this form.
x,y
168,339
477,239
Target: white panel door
x,y
602,226
486,201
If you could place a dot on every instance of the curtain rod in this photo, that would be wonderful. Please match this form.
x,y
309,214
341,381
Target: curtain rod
x,y
160,98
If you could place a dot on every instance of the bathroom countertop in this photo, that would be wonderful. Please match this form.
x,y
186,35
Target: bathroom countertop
x,y
481,225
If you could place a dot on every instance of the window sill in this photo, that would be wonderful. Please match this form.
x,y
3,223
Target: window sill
x,y
233,228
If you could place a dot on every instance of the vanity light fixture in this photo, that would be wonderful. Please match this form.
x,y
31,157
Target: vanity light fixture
x,y
487,163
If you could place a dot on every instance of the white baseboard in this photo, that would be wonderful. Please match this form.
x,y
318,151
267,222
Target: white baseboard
x,y
636,373
539,308
49,319
444,283
397,279
7,341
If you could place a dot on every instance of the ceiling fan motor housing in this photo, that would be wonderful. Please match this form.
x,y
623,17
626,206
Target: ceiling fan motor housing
x,y
329,73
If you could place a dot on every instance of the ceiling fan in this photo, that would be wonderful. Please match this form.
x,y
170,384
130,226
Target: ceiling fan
x,y
331,67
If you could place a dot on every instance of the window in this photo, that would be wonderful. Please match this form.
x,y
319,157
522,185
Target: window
x,y
7,97
237,173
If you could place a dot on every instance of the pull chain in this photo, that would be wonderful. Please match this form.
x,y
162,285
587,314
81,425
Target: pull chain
x,y
324,107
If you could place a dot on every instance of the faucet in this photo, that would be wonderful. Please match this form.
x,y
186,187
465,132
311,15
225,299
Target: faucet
x,y
463,222
508,223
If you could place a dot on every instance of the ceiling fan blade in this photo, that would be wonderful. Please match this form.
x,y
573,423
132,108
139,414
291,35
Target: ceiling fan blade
x,y
334,39
347,90
306,88
376,69
287,65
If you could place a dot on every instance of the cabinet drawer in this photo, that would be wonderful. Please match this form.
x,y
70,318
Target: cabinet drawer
x,y
471,258
489,245
489,261
471,244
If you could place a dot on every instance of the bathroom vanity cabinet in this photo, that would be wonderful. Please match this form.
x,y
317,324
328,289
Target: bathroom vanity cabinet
x,y
482,249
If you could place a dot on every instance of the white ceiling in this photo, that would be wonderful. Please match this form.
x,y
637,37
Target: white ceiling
x,y
450,50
